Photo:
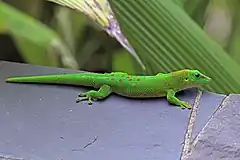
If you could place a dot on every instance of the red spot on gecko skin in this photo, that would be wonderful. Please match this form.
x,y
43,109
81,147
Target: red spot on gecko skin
x,y
112,79
122,86
107,78
120,80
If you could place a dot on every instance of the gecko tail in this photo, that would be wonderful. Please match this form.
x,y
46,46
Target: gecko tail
x,y
23,79
71,79
37,79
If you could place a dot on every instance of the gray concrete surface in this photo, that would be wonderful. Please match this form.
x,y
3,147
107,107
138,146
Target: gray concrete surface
x,y
43,122
220,138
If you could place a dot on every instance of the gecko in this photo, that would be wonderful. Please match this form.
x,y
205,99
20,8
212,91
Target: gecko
x,y
123,84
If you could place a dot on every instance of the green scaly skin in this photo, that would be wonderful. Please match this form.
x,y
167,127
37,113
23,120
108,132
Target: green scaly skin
x,y
160,85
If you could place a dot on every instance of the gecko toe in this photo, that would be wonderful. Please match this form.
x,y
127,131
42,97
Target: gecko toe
x,y
78,100
182,107
185,105
81,99
82,94
90,102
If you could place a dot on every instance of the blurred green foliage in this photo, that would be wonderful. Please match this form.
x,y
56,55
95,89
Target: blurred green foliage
x,y
168,39
51,35
167,35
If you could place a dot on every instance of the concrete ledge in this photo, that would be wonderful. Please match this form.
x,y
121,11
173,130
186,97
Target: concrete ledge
x,y
43,122
220,138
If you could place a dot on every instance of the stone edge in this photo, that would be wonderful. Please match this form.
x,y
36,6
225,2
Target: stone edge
x,y
190,146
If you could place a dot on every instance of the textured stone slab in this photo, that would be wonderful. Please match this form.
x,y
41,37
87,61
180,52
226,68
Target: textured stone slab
x,y
9,157
220,139
208,105
44,122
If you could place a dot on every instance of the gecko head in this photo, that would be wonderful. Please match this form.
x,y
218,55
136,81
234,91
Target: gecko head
x,y
196,78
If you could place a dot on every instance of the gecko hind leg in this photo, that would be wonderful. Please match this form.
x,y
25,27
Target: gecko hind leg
x,y
102,93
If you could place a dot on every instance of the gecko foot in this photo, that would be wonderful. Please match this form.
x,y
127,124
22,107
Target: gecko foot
x,y
102,93
184,105
85,98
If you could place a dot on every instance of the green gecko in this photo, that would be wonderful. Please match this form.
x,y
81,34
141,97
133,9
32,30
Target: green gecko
x,y
123,84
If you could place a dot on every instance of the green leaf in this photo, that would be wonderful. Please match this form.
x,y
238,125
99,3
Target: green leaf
x,y
37,43
3,27
89,8
99,12
196,9
64,27
122,61
34,9
234,40
180,3
167,39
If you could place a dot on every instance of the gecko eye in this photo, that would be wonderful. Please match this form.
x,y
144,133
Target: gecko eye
x,y
197,75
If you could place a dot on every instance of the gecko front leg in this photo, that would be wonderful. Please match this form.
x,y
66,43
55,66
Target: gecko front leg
x,y
174,100
102,93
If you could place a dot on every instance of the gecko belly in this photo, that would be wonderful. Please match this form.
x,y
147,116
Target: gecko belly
x,y
140,94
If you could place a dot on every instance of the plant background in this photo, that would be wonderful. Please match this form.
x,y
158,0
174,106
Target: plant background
x,y
44,33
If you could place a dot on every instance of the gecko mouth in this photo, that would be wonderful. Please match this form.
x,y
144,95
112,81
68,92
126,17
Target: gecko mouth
x,y
206,78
